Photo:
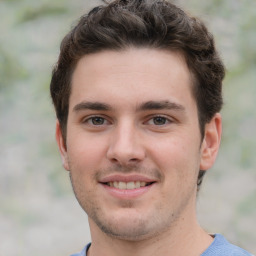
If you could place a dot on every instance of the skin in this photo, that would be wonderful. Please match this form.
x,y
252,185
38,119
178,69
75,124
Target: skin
x,y
132,116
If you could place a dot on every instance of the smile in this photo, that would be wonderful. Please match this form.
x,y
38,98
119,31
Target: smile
x,y
128,185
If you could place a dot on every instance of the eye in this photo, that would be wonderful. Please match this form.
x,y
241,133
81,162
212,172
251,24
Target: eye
x,y
96,121
158,120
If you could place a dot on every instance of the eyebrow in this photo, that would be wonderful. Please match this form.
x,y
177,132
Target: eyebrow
x,y
158,105
149,105
91,106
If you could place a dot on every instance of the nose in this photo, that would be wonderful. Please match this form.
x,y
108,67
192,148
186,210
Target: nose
x,y
126,145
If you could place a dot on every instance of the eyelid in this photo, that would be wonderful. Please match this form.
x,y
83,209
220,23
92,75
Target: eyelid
x,y
108,121
151,117
90,117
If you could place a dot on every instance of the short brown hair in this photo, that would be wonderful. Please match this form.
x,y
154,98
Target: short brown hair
x,y
157,24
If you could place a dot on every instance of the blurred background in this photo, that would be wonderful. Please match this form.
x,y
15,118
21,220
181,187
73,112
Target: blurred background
x,y
38,212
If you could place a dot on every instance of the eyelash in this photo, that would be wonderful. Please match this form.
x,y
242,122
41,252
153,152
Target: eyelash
x,y
164,118
90,119
150,121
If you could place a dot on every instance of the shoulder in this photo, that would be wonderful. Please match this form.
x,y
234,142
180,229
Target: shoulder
x,y
83,252
221,247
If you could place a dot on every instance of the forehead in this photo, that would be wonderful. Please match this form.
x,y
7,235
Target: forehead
x,y
136,74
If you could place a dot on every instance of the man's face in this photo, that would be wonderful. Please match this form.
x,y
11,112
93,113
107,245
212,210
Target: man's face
x,y
133,145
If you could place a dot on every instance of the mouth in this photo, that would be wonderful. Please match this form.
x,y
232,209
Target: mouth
x,y
128,185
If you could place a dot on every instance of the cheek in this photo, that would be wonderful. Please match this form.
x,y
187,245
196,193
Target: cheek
x,y
178,155
169,150
179,164
85,152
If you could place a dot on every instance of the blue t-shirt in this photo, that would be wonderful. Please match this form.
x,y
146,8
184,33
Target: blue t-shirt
x,y
219,247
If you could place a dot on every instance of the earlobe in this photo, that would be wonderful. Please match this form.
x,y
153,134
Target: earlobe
x,y
211,143
62,146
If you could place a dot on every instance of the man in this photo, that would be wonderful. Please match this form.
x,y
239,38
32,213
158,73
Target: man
x,y
137,92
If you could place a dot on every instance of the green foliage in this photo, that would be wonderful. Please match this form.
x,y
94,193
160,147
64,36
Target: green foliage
x,y
10,69
29,13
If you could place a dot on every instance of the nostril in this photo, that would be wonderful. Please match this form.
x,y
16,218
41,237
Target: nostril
x,y
125,154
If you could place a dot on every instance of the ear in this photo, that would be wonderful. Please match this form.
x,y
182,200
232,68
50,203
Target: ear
x,y
211,142
62,146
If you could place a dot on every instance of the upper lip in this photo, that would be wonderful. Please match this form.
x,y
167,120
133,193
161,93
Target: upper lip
x,y
126,178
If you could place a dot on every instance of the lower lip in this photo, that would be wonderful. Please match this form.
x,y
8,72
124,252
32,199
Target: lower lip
x,y
127,193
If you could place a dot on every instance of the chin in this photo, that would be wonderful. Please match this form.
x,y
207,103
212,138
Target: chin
x,y
129,227
127,233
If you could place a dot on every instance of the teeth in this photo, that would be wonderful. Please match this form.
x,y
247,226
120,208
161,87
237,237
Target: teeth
x,y
122,185
130,185
127,185
137,184
143,184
